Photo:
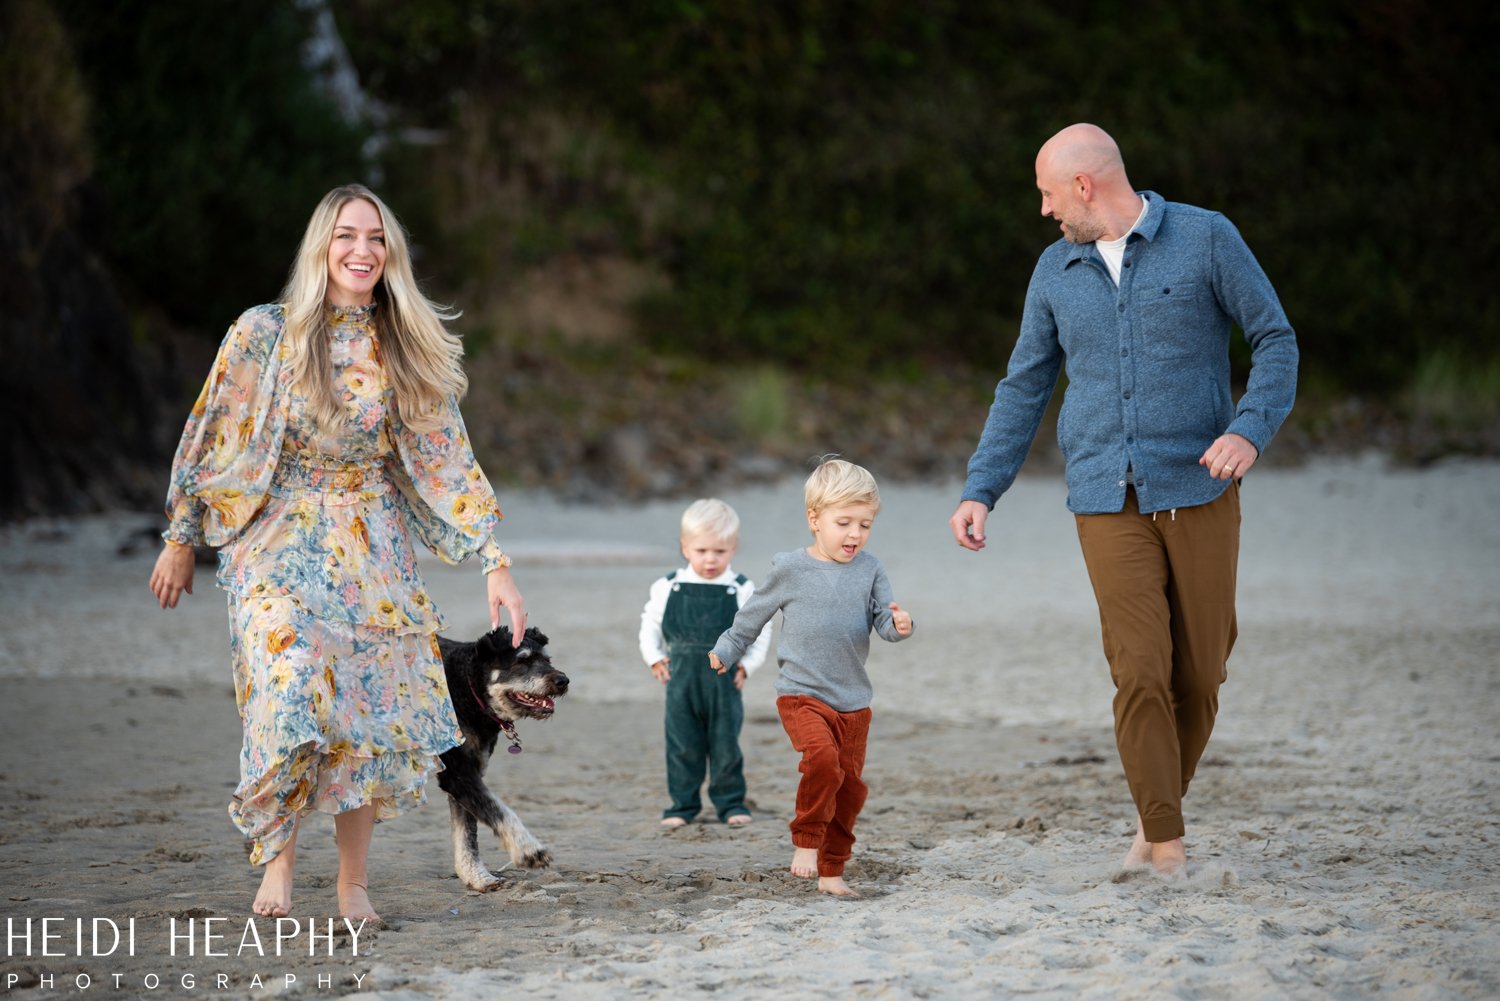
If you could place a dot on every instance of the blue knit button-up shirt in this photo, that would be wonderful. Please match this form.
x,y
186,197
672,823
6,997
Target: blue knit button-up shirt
x,y
1147,364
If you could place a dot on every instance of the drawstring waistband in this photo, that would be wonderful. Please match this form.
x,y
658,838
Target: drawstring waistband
x,y
1155,513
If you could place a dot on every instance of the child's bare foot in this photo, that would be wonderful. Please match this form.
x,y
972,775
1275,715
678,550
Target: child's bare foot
x,y
1139,855
805,862
354,902
274,898
836,886
673,822
1169,858
740,820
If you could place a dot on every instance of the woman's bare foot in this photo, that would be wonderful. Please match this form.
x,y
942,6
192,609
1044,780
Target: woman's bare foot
x,y
1169,858
740,820
274,898
354,902
836,886
805,862
670,822
1139,855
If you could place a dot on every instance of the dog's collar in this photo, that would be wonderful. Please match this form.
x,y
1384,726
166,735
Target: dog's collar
x,y
506,726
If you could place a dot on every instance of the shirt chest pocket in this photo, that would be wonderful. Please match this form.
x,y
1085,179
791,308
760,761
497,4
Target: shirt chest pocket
x,y
1171,317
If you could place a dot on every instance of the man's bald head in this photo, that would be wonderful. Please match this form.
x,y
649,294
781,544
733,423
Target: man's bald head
x,y
1083,185
1082,149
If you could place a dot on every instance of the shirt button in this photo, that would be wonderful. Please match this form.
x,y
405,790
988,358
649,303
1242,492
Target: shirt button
x,y
1124,352
1122,483
1129,440
1122,307
1127,264
1127,394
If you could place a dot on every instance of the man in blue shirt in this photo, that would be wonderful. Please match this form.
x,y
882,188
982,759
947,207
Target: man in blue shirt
x,y
1136,303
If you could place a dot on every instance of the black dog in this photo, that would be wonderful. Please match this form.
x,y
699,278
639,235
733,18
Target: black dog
x,y
492,685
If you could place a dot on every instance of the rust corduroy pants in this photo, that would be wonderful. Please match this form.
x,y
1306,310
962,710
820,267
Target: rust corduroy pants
x,y
831,793
1165,588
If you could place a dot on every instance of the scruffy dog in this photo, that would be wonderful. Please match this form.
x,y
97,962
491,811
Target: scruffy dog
x,y
492,685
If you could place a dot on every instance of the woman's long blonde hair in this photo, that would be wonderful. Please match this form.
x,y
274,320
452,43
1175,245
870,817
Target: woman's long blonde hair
x,y
422,359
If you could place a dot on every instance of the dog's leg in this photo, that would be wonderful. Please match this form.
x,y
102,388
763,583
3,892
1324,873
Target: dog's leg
x,y
490,810
525,850
467,864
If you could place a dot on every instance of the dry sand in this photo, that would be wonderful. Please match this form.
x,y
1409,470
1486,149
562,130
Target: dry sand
x,y
1342,830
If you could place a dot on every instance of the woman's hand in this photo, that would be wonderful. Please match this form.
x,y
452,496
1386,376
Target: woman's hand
x,y
740,678
503,593
173,574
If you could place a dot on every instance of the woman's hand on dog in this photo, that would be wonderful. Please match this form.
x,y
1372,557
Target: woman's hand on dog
x,y
173,574
661,670
503,593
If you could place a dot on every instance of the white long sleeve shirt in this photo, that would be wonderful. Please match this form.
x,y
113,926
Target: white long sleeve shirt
x,y
653,648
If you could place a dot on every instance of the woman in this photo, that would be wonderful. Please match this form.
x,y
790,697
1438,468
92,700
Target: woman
x,y
326,435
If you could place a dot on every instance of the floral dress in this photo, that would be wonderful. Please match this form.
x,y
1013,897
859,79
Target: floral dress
x,y
332,632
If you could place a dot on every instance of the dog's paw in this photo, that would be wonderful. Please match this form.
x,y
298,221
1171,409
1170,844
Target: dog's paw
x,y
537,858
484,881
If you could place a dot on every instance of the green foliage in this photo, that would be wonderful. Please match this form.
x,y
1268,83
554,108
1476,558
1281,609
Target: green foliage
x,y
842,182
854,179
211,146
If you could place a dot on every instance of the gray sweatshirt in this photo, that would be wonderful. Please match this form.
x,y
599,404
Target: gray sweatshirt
x,y
827,612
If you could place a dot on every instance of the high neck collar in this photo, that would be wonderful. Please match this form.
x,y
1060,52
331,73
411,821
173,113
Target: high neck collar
x,y
351,314
350,322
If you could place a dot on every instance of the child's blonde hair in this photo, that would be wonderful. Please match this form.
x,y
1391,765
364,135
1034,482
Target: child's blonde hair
x,y
711,517
836,483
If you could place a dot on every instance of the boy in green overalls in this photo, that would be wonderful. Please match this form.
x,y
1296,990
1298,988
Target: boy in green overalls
x,y
686,612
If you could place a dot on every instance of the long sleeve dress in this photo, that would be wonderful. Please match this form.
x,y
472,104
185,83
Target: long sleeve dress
x,y
337,674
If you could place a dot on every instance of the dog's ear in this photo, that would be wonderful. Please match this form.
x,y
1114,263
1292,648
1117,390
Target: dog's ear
x,y
536,637
492,643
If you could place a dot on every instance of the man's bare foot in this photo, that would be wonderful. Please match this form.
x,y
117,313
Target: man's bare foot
x,y
1139,855
1169,858
274,898
740,820
836,886
354,902
805,862
673,822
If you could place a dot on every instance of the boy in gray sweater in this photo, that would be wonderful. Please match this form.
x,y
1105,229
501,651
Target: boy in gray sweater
x,y
830,595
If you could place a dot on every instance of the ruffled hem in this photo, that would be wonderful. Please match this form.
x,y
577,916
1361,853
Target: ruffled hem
x,y
265,808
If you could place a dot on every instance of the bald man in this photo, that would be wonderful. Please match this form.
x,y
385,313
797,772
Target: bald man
x,y
1136,302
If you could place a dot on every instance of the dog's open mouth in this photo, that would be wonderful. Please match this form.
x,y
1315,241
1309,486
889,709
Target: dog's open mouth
x,y
534,705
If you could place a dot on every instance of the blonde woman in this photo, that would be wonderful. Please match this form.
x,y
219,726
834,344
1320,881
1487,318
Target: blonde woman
x,y
326,436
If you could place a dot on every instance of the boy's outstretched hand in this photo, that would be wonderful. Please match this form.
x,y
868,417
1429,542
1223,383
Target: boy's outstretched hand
x,y
715,663
901,618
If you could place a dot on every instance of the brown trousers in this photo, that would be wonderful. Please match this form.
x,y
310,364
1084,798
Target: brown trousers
x,y
831,792
1165,588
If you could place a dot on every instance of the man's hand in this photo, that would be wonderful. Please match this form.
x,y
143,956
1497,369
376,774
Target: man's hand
x,y
662,671
1229,457
968,525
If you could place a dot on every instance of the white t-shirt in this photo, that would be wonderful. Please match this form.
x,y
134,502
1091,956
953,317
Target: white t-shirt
x,y
1113,251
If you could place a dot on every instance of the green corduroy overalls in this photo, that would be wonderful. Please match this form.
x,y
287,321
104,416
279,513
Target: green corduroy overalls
x,y
704,710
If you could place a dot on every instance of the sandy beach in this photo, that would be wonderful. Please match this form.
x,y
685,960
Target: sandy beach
x,y
1342,831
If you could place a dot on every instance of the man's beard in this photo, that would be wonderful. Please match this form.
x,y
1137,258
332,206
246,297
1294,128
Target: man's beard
x,y
1085,229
